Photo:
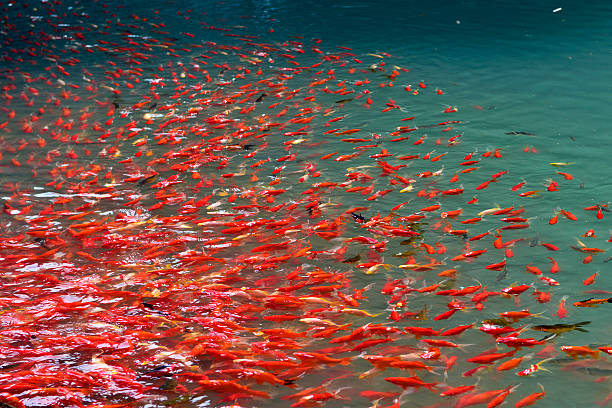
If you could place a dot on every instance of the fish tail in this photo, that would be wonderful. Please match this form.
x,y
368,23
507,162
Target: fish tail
x,y
430,386
346,361
539,365
369,373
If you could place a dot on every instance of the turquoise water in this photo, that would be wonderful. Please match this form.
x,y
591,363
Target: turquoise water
x,y
520,75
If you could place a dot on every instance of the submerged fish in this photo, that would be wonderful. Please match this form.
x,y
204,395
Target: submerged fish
x,y
519,133
592,302
560,327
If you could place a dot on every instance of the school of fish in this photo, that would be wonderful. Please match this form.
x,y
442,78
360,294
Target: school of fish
x,y
200,223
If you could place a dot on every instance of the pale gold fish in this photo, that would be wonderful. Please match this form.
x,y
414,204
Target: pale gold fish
x,y
373,269
489,211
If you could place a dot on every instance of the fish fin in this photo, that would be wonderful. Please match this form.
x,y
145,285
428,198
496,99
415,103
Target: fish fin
x,y
581,330
502,275
542,362
370,372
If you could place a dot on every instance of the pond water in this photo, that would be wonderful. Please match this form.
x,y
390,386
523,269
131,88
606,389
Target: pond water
x,y
265,203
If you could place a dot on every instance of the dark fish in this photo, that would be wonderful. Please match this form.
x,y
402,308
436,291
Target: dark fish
x,y
408,241
595,371
503,274
358,217
560,328
146,180
158,368
497,322
342,101
403,254
42,242
519,132
353,259
261,97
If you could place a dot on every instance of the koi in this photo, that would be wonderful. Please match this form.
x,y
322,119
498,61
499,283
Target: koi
x,y
470,373
439,343
422,331
576,351
516,316
589,250
510,364
457,232
605,349
479,236
490,358
451,392
591,302
312,358
451,214
410,365
413,381
496,266
222,386
479,398
497,401
568,215
533,368
531,399
561,311
376,395
515,226
513,341
590,233
455,331
496,330
533,270
555,266
591,279
310,399
549,281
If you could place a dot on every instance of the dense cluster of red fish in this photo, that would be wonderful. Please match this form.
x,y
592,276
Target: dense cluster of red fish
x,y
187,222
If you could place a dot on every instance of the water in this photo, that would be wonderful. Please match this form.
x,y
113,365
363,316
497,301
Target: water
x,y
505,66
